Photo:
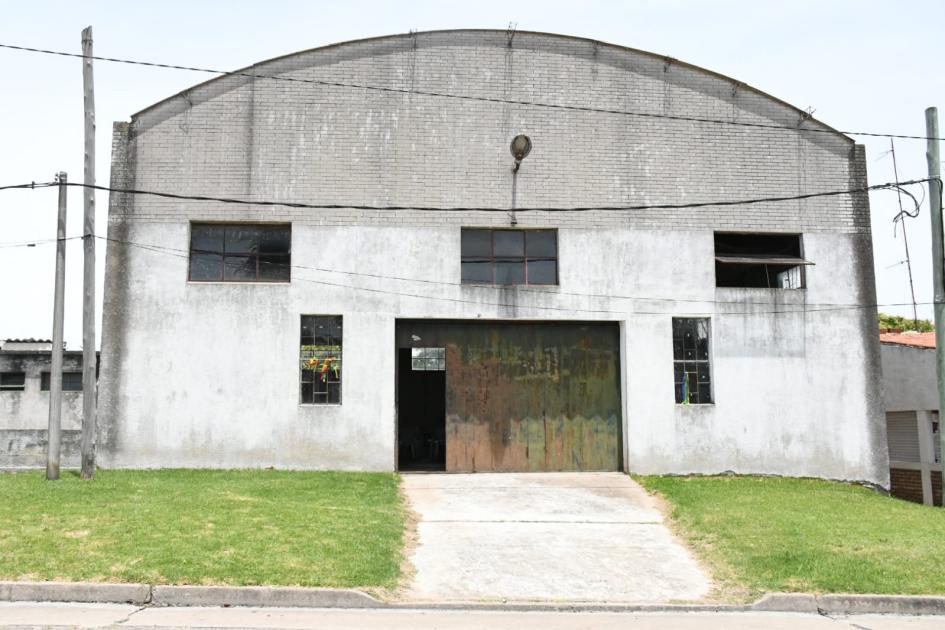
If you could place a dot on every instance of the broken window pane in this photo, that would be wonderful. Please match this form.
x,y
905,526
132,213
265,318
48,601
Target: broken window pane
x,y
509,256
240,253
759,260
320,359
691,363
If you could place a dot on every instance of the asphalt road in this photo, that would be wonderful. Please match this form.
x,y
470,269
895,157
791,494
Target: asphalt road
x,y
31,615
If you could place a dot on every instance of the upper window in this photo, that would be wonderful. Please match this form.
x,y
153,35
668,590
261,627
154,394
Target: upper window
x,y
429,359
240,252
770,261
320,359
71,381
691,361
12,381
509,256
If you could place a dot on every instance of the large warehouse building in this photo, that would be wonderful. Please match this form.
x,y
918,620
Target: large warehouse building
x,y
420,298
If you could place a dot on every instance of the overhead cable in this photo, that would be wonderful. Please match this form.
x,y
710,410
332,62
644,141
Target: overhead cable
x,y
469,97
382,208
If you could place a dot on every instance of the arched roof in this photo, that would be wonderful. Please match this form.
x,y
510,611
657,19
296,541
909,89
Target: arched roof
x,y
601,52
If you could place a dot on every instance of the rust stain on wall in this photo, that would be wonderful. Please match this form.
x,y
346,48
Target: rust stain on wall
x,y
528,396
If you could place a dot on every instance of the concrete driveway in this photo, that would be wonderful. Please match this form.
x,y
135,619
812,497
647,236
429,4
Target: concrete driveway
x,y
545,537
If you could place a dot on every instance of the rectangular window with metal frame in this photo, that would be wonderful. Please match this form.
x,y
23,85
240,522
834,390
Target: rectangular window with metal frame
x,y
691,361
509,256
240,252
428,359
764,261
12,381
71,381
320,360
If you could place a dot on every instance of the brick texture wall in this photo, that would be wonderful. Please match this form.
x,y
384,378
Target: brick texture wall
x,y
293,141
906,484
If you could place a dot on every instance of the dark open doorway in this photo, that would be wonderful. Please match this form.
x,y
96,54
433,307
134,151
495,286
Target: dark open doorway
x,y
421,408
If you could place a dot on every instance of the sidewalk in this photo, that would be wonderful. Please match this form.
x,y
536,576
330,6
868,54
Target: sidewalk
x,y
119,615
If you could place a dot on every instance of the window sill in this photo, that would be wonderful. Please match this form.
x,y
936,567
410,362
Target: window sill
x,y
242,282
317,405
699,405
552,288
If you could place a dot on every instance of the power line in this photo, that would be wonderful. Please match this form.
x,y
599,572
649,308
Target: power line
x,y
184,254
467,97
44,241
354,206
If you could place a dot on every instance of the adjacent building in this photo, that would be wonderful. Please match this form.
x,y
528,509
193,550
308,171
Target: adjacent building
x,y
25,366
397,291
910,391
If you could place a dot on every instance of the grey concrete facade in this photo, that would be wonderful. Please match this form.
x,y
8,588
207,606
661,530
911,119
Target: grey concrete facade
x,y
206,374
24,414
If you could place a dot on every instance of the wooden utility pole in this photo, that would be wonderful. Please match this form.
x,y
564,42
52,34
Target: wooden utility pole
x,y
89,363
55,377
938,256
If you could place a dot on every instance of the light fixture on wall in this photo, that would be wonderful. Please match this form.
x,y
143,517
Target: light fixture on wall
x,y
521,146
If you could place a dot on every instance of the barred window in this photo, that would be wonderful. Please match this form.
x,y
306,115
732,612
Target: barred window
x,y
509,256
240,252
691,372
320,359
428,359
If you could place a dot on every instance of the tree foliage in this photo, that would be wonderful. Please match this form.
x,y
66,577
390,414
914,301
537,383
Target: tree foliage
x,y
904,323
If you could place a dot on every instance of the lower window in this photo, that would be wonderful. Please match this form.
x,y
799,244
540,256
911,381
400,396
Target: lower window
x,y
691,373
320,359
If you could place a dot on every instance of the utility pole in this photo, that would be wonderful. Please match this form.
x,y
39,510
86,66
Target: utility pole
x,y
901,217
89,364
55,375
938,258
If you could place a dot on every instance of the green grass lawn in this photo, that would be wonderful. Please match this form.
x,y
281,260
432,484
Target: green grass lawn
x,y
771,534
203,527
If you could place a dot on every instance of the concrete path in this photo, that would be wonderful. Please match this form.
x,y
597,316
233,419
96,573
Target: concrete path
x,y
31,615
591,537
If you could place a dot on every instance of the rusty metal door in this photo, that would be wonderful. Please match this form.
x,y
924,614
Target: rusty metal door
x,y
528,396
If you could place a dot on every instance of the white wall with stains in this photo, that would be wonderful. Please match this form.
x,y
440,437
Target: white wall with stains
x,y
197,374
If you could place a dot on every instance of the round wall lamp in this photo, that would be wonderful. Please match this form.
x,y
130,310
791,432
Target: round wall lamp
x,y
521,146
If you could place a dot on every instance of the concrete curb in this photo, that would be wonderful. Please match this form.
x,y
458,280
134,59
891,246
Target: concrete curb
x,y
297,597
881,604
261,596
84,592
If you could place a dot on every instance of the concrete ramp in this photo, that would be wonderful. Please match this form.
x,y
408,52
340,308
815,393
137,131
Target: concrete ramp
x,y
588,537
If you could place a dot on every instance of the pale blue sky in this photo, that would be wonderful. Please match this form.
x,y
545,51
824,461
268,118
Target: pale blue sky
x,y
862,65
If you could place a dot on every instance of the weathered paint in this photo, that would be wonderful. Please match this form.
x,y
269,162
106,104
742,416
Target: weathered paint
x,y
206,374
528,396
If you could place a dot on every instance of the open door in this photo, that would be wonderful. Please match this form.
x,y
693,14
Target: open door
x,y
421,409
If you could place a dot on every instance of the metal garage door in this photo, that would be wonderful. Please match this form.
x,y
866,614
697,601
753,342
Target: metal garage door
x,y
527,396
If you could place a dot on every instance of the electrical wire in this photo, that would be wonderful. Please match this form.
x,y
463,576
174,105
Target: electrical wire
x,y
355,206
44,241
826,307
467,97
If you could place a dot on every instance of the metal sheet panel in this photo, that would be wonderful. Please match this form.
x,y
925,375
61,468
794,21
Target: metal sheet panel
x,y
526,396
